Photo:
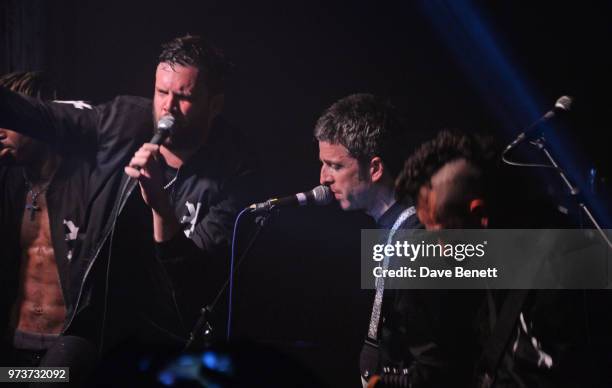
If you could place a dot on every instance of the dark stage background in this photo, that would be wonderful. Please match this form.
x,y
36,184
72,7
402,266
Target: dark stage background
x,y
492,66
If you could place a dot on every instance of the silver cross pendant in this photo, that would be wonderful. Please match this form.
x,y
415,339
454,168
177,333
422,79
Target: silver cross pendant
x,y
32,208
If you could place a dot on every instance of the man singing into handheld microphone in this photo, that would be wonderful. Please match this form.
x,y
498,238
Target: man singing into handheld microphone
x,y
125,271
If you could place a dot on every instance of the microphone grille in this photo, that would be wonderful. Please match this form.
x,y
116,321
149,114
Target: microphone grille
x,y
564,103
322,195
166,123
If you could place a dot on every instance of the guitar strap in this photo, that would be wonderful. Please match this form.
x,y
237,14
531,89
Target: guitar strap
x,y
369,354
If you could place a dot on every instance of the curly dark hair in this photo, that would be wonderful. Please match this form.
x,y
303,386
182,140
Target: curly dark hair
x,y
367,126
193,50
30,83
448,146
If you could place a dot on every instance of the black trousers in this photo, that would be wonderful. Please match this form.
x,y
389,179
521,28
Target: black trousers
x,y
75,353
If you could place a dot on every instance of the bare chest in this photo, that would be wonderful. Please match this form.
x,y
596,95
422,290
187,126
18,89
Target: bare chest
x,y
40,306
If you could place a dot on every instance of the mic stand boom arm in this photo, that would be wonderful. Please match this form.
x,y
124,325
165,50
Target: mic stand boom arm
x,y
202,331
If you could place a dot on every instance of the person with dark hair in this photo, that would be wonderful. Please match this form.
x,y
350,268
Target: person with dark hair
x,y
362,143
188,51
122,265
449,178
429,333
32,307
543,338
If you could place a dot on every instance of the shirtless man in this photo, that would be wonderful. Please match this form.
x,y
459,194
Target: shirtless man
x,y
36,308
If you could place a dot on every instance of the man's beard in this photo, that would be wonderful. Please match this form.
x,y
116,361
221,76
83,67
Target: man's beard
x,y
184,140
184,137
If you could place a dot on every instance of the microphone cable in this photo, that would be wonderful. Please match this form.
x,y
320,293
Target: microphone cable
x,y
231,275
508,161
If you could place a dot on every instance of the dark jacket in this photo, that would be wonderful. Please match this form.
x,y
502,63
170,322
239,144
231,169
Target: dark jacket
x,y
114,281
427,337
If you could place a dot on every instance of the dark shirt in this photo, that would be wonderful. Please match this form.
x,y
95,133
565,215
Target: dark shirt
x,y
428,337
115,281
387,220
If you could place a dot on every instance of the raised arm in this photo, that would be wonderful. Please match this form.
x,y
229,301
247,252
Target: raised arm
x,y
63,125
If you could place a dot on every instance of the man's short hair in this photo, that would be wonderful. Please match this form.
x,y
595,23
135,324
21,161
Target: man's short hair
x,y
32,83
193,50
367,126
446,147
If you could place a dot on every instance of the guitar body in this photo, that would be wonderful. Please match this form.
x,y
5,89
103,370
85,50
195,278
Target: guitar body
x,y
369,360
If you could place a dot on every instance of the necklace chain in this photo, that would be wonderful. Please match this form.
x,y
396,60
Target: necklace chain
x,y
171,182
33,207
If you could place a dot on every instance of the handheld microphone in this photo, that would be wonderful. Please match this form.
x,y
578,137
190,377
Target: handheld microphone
x,y
164,128
563,104
320,195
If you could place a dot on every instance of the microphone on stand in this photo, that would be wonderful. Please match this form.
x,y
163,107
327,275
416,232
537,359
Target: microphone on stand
x,y
563,104
320,195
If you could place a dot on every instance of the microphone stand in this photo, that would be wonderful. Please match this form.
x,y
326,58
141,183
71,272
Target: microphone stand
x,y
574,190
202,332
